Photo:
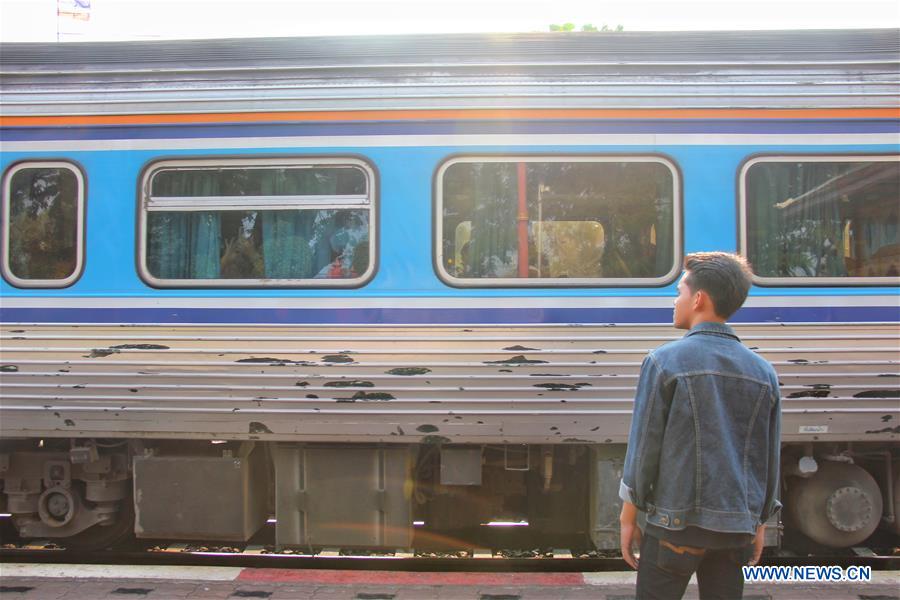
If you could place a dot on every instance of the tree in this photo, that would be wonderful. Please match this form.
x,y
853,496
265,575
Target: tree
x,y
587,28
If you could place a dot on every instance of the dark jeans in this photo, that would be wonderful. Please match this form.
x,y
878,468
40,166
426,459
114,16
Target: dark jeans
x,y
664,574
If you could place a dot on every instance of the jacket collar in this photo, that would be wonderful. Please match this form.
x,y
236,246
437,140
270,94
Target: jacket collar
x,y
712,328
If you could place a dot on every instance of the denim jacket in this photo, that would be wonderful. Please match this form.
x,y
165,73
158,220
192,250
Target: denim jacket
x,y
704,447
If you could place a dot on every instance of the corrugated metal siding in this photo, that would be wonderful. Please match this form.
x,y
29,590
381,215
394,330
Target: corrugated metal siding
x,y
625,47
410,384
620,70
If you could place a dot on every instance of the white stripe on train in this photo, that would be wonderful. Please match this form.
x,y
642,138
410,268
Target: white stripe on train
x,y
480,302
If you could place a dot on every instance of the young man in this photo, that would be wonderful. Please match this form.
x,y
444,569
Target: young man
x,y
704,448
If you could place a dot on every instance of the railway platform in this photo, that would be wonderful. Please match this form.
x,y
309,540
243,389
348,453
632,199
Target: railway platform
x,y
121,582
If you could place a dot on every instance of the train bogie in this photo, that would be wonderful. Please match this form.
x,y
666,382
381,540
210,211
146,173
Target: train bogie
x,y
70,489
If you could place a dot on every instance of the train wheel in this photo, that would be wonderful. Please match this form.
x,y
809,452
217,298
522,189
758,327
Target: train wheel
x,y
839,506
100,537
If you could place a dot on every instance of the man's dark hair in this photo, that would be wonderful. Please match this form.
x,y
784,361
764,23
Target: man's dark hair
x,y
725,277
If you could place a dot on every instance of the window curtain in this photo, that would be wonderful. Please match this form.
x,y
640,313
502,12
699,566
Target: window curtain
x,y
878,222
286,233
493,244
879,234
664,241
186,245
296,242
796,228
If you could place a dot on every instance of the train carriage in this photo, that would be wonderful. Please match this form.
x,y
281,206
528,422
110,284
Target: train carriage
x,y
392,291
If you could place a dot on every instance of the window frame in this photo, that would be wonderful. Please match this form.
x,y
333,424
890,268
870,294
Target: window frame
x,y
743,221
80,234
569,282
236,162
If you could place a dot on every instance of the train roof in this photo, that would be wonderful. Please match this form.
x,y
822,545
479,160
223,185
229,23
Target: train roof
x,y
748,69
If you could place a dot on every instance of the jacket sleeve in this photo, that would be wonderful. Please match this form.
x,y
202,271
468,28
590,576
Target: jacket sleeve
x,y
648,424
773,478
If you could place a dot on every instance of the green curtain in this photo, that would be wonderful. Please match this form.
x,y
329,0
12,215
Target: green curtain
x,y
185,245
493,246
297,243
879,234
286,251
664,226
206,241
168,237
795,223
287,233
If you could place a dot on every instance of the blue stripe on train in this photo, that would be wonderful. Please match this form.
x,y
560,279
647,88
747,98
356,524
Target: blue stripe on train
x,y
11,134
425,316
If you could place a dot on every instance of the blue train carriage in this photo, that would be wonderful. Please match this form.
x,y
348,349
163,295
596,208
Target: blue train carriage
x,y
395,291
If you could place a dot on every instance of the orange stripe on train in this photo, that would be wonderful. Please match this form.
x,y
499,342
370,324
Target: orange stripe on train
x,y
448,115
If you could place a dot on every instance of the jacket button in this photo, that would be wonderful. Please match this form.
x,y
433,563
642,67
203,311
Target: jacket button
x,y
664,519
677,521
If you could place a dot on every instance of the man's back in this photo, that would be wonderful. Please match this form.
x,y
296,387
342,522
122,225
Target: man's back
x,y
718,397
703,452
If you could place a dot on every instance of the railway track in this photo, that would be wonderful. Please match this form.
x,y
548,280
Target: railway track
x,y
882,552
267,556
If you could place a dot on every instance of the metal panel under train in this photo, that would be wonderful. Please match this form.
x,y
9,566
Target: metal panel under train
x,y
200,497
343,496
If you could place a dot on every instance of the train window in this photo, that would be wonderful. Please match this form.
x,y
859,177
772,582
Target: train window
x,y
557,221
259,222
43,216
822,219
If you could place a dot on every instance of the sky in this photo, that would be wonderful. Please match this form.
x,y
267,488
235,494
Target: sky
x,y
37,20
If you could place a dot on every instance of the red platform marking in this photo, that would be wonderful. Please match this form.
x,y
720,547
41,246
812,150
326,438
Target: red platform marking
x,y
334,577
